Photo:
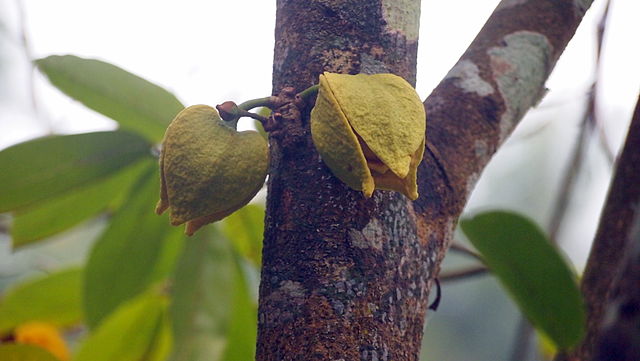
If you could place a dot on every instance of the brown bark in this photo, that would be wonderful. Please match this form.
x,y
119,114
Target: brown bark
x,y
613,252
348,278
343,277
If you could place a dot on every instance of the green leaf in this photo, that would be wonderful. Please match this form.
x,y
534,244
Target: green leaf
x,y
242,333
55,298
47,167
60,213
136,331
133,102
245,229
127,257
17,352
212,313
533,271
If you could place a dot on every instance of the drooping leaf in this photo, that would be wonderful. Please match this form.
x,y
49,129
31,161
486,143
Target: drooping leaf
x,y
137,330
126,258
163,339
242,333
55,298
47,167
18,352
133,102
533,272
67,210
245,229
212,314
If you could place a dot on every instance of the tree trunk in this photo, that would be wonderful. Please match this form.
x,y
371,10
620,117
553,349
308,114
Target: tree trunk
x,y
344,277
348,278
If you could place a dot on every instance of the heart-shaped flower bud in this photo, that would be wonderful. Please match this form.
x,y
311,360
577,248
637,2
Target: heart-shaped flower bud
x,y
370,131
208,169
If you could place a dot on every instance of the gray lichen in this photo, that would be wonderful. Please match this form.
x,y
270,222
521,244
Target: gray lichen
x,y
520,68
466,76
402,16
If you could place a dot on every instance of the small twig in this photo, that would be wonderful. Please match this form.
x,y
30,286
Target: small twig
x,y
463,273
311,91
457,247
258,117
588,123
569,178
26,48
230,112
269,102
604,143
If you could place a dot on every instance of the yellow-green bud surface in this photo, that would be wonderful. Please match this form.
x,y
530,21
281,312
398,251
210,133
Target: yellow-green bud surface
x,y
370,131
208,169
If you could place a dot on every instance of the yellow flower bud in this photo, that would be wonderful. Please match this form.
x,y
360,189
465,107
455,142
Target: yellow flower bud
x,y
43,335
370,131
208,170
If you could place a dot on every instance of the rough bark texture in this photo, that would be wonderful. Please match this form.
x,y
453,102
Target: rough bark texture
x,y
348,278
343,277
619,339
613,252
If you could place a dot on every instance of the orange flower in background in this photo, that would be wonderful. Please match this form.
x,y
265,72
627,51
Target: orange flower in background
x,y
43,335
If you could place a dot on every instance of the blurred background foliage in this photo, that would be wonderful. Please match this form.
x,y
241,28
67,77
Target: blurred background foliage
x,y
82,250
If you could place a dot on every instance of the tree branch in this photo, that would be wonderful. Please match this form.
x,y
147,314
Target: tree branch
x,y
481,100
463,274
346,277
618,339
612,240
484,96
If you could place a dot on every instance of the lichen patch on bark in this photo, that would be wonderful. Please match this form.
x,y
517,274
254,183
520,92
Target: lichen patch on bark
x,y
374,233
370,65
402,16
520,68
481,148
466,75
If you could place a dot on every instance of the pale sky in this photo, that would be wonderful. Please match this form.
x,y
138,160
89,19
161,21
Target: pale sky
x,y
211,51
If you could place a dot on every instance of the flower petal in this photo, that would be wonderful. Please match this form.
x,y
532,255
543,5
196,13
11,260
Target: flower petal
x,y
337,143
408,185
385,111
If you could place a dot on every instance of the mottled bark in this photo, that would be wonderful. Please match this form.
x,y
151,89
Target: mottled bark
x,y
348,278
619,338
614,253
344,277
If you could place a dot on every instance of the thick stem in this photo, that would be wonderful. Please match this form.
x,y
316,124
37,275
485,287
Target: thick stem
x,y
344,277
